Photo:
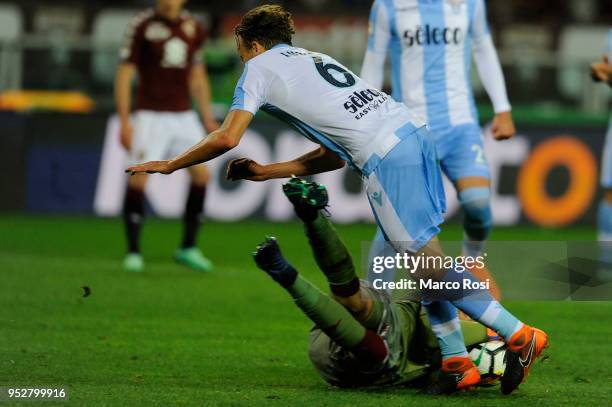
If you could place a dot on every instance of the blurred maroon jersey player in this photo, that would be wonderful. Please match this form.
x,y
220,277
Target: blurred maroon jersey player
x,y
163,52
164,47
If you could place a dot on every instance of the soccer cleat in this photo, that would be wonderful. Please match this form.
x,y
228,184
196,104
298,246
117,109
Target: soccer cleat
x,y
523,349
194,259
457,373
269,258
133,263
307,197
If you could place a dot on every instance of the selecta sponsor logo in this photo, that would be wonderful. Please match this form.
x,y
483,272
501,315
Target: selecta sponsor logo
x,y
428,35
362,102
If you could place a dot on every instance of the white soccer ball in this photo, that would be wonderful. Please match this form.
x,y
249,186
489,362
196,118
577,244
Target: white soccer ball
x,y
489,358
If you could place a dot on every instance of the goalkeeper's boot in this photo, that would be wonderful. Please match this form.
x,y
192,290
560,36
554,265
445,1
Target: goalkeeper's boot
x,y
133,263
457,373
193,258
523,349
307,197
269,258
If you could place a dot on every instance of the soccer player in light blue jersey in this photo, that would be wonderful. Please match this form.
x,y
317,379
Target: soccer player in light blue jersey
x,y
602,72
392,150
431,44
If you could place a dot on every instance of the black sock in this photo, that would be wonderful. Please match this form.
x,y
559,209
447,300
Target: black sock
x,y
194,209
133,215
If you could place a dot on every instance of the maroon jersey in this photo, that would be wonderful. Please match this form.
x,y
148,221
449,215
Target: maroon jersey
x,y
164,52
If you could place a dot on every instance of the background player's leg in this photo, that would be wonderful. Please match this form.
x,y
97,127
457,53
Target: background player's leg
x,y
194,206
133,216
604,235
466,166
149,141
331,317
186,132
604,215
475,198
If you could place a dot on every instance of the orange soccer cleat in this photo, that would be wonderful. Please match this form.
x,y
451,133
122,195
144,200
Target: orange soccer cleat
x,y
457,373
523,348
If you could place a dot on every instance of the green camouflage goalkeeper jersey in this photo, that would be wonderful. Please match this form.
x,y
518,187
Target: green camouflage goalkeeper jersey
x,y
412,348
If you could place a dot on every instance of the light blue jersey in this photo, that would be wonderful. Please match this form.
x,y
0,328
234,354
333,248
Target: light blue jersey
x,y
382,139
431,43
325,102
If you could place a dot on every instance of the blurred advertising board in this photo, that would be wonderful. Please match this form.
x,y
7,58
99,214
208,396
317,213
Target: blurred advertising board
x,y
61,163
545,175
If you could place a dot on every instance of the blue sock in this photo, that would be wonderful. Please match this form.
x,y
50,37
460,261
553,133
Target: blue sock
x,y
480,305
604,233
445,325
476,203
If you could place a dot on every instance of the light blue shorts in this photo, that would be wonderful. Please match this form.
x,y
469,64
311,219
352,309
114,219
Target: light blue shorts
x,y
406,193
461,152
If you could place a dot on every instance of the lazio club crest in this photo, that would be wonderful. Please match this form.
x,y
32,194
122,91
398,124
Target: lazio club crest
x,y
456,5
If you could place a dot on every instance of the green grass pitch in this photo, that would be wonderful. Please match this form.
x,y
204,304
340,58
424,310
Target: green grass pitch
x,y
170,336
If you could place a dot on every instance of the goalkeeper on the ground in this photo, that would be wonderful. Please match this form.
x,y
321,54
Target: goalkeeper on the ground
x,y
361,337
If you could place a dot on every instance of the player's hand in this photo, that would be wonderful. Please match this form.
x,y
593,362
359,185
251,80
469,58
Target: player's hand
x,y
152,167
125,135
210,123
601,71
245,168
503,126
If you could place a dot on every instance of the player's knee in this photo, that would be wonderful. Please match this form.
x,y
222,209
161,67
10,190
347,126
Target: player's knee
x,y
138,181
199,175
604,217
133,202
478,218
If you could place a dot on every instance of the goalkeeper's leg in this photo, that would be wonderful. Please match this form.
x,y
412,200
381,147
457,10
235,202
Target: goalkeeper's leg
x,y
330,253
331,317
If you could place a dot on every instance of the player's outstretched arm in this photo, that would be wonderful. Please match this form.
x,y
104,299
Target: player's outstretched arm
x,y
314,162
217,143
